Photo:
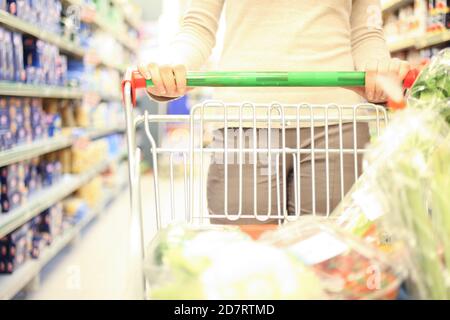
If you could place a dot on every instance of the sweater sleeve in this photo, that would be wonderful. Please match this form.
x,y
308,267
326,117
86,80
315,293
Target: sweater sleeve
x,y
367,37
193,45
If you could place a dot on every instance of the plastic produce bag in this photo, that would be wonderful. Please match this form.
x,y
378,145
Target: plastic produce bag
x,y
399,174
221,262
432,87
411,134
348,267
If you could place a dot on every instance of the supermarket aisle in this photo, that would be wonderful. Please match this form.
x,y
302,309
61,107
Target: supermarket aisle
x,y
102,264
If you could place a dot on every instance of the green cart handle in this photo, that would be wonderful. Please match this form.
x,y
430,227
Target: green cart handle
x,y
264,79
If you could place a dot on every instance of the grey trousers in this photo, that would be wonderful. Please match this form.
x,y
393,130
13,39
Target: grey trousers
x,y
216,172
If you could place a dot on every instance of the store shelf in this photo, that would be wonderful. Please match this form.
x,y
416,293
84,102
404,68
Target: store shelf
x,y
129,19
38,148
123,38
98,21
433,39
39,91
35,149
18,24
12,284
420,42
392,5
402,44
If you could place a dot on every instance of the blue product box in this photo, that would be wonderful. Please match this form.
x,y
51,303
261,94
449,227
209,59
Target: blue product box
x,y
11,202
6,140
22,136
4,114
19,70
14,249
37,132
46,172
3,66
53,124
6,56
9,172
16,112
12,6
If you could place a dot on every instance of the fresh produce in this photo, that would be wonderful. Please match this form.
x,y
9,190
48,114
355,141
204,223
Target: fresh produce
x,y
218,262
347,267
253,270
432,87
401,172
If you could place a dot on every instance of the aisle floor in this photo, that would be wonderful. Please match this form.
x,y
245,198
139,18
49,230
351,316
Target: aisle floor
x,y
103,263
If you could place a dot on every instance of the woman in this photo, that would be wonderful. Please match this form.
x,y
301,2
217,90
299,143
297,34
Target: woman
x,y
282,35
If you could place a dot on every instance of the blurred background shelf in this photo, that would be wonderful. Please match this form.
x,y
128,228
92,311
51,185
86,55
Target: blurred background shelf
x,y
12,284
127,41
63,44
428,40
38,91
38,148
391,5
49,196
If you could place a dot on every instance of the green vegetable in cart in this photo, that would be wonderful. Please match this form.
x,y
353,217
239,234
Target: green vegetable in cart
x,y
432,87
403,169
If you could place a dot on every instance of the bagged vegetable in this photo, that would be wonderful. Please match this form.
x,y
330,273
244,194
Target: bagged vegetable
x,y
220,262
399,171
432,87
347,267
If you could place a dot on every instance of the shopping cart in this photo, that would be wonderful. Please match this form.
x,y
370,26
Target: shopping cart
x,y
241,152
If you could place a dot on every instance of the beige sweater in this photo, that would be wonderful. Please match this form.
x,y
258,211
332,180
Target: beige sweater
x,y
283,35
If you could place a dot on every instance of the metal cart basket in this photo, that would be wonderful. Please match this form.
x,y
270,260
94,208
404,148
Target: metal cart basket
x,y
180,173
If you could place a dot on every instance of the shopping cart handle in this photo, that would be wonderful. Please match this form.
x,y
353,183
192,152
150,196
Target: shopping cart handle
x,y
264,79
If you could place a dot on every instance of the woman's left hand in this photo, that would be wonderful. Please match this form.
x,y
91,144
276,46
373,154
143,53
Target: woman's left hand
x,y
387,67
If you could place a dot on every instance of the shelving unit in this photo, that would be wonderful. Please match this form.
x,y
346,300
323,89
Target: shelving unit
x,y
38,148
63,44
49,196
421,42
12,284
38,91
18,24
99,22
394,4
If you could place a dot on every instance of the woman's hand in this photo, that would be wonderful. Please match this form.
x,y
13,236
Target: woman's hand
x,y
397,68
169,81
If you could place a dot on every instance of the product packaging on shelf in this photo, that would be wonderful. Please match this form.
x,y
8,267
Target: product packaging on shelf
x,y
51,223
6,55
75,209
14,249
19,70
347,267
13,191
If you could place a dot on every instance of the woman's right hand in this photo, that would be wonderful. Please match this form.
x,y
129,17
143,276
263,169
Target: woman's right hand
x,y
169,81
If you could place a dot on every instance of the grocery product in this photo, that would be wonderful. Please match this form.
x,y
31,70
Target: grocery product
x,y
220,262
348,267
432,87
403,184
14,249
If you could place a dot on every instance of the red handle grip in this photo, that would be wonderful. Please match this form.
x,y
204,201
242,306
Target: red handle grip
x,y
136,81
